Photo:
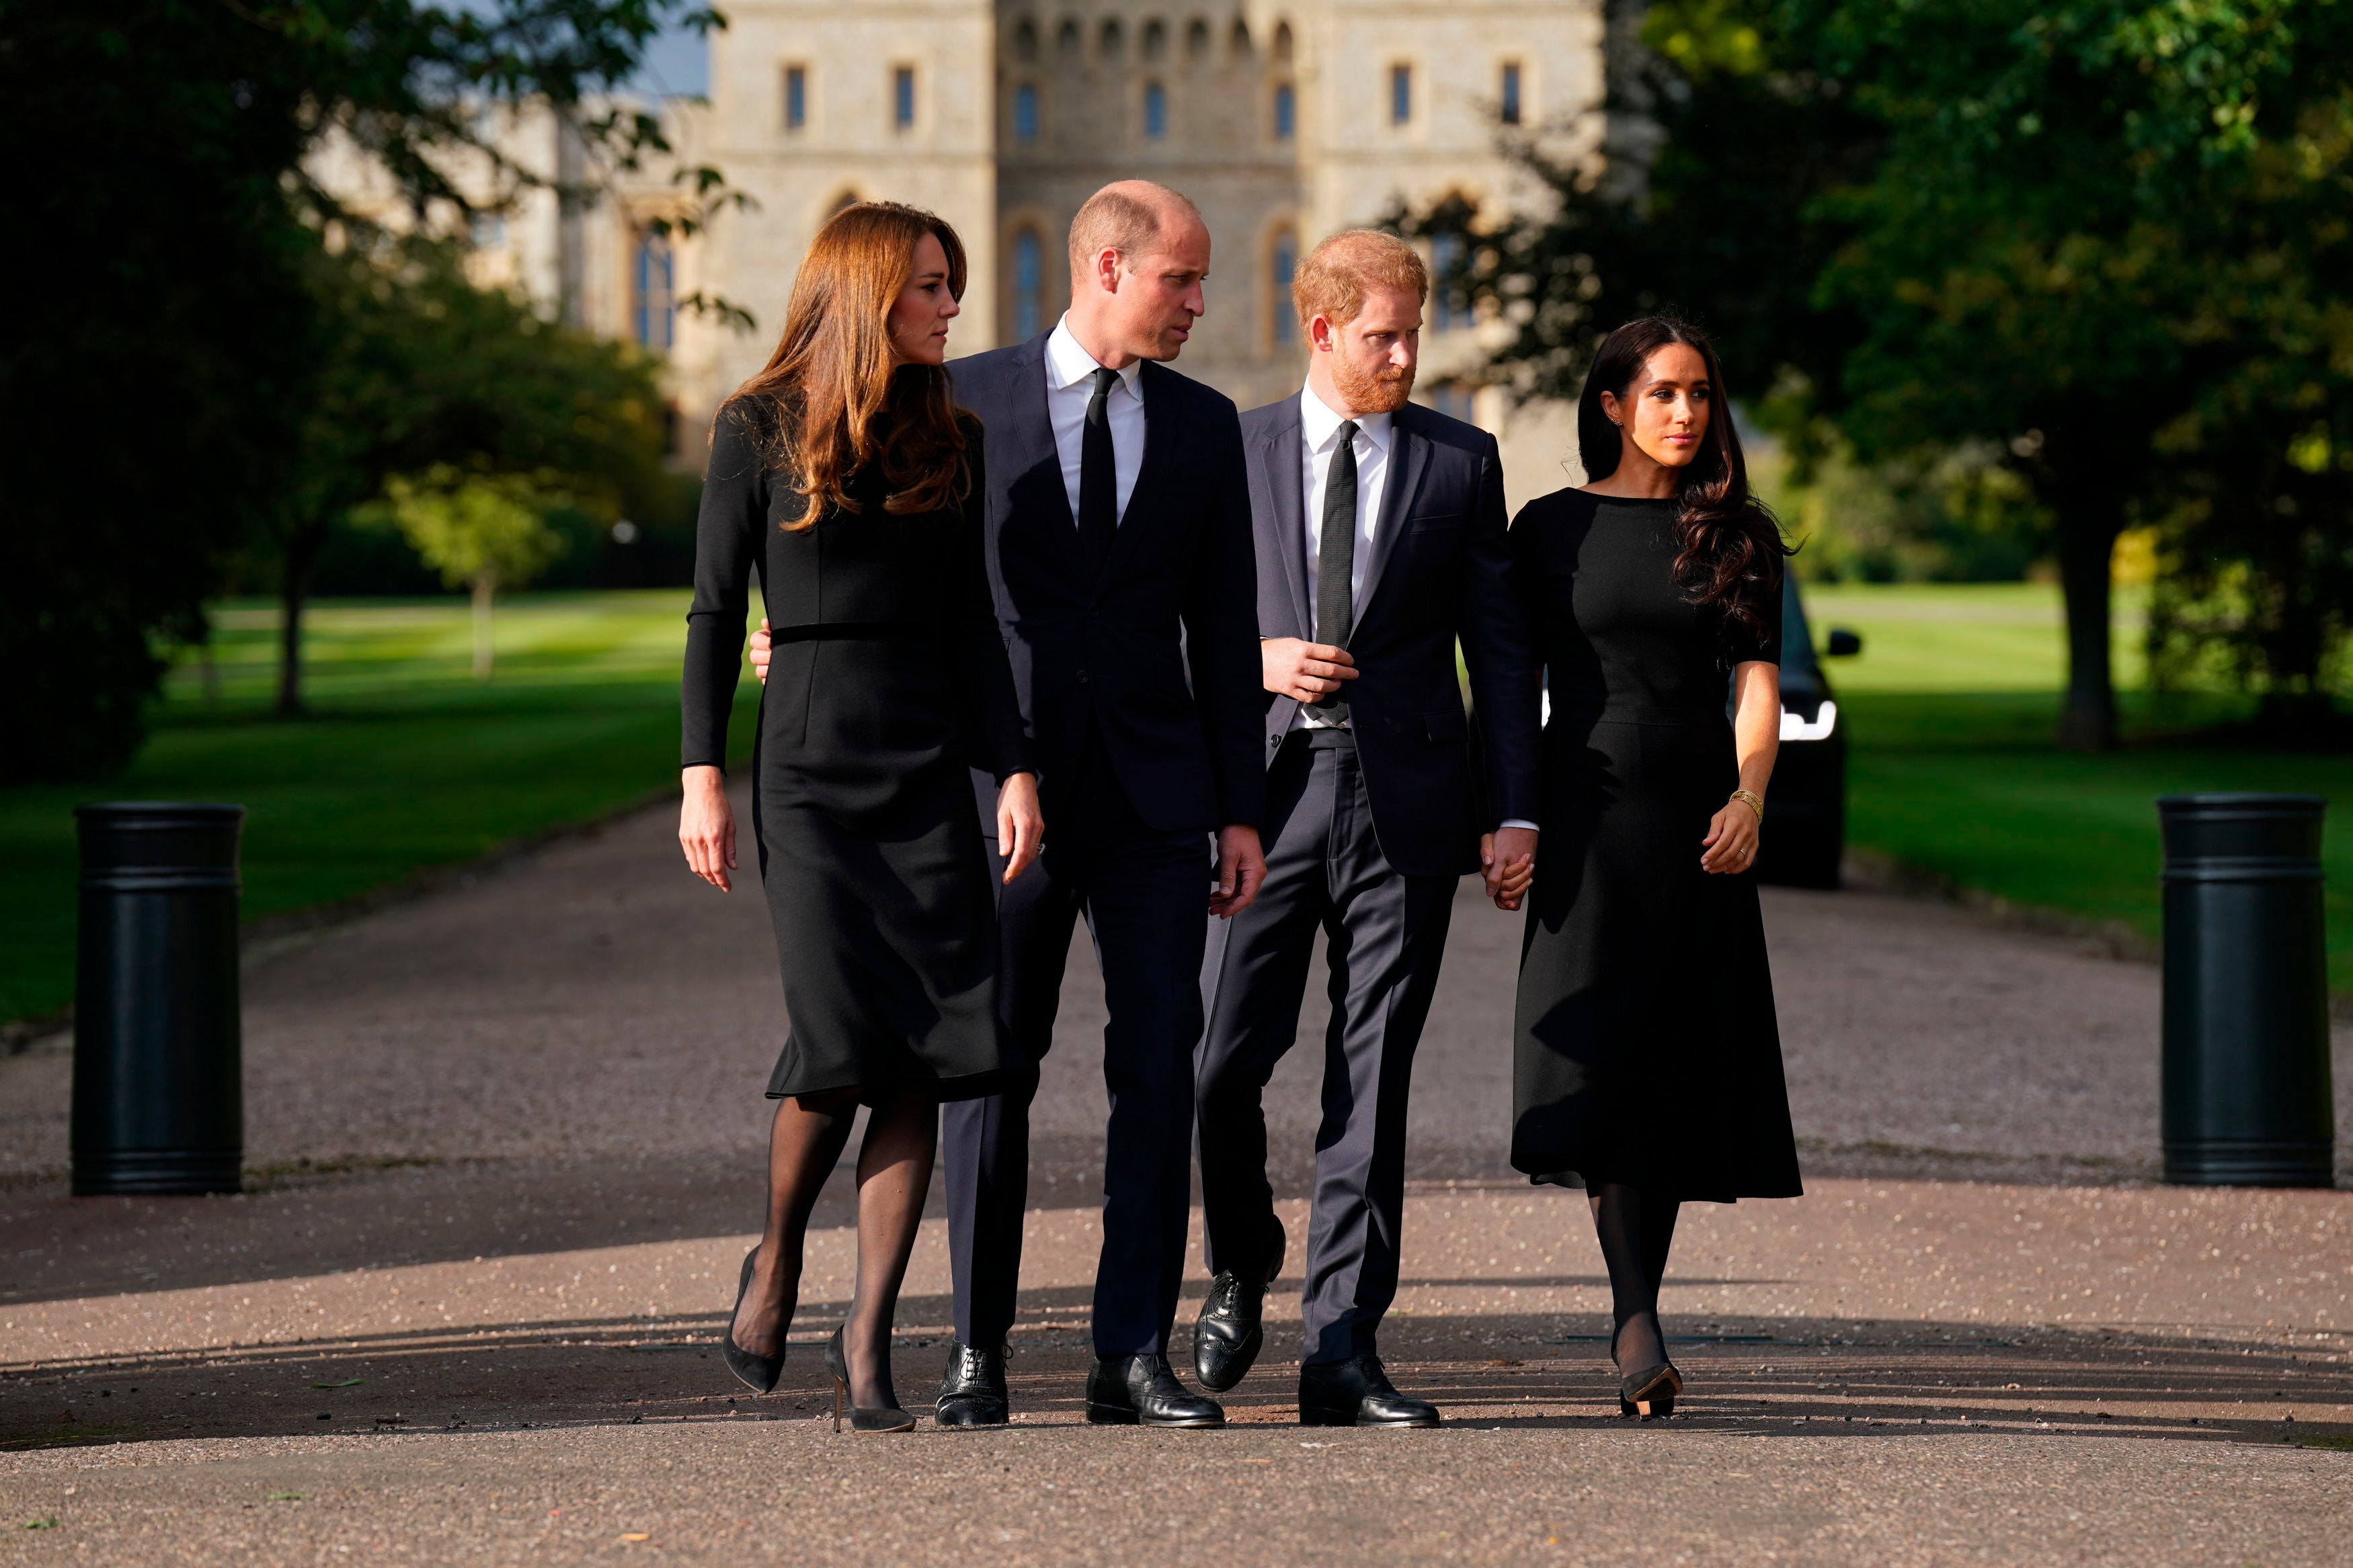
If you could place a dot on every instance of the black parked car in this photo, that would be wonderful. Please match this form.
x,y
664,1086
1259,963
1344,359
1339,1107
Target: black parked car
x,y
1805,809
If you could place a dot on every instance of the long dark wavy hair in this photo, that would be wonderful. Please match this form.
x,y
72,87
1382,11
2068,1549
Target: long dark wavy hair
x,y
1728,546
830,392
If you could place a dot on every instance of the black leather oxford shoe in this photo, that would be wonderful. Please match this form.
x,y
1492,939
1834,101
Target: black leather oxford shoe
x,y
971,1390
1356,1392
1231,1329
1142,1391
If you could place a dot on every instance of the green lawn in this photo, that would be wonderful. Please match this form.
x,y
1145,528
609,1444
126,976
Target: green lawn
x,y
407,762
1951,708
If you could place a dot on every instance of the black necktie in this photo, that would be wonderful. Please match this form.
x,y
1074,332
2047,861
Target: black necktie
x,y
1335,559
1098,479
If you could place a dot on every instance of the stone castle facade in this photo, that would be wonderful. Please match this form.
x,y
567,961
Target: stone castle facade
x,y
1282,119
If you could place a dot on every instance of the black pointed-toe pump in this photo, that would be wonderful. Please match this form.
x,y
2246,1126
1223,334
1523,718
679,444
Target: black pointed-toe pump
x,y
1650,1393
885,1418
759,1372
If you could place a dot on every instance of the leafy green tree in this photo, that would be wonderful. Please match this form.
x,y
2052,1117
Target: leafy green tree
x,y
2089,234
168,345
422,368
485,531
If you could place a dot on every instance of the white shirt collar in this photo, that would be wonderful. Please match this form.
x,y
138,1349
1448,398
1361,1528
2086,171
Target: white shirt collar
x,y
1320,423
1067,363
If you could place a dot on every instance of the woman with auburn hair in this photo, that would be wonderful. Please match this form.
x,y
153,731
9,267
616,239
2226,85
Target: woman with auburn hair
x,y
1647,1062
847,479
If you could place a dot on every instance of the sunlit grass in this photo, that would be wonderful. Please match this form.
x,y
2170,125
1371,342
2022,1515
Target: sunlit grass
x,y
405,761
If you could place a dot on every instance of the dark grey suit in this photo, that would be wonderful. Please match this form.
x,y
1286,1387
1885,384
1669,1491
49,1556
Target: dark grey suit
x,y
1365,841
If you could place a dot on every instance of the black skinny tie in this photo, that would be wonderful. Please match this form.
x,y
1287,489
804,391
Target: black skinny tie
x,y
1098,479
1335,561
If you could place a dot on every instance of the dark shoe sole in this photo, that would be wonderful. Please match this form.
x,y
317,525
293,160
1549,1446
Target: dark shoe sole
x,y
1348,1419
1125,1416
1238,1366
965,1415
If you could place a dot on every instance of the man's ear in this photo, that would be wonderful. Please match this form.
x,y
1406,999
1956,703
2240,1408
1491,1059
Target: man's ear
x,y
1107,269
1319,333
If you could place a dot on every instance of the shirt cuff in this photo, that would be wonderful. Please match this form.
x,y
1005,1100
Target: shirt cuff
x,y
1515,822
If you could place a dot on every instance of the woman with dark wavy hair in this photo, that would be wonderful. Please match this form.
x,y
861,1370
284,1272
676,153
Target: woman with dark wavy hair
x,y
845,476
1647,1063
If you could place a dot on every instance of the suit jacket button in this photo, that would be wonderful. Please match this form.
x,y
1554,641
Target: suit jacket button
x,y
1082,677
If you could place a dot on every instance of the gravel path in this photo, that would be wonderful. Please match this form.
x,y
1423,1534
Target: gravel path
x,y
505,1145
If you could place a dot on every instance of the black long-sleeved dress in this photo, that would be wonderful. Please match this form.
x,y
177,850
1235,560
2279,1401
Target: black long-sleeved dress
x,y
1646,1048
890,682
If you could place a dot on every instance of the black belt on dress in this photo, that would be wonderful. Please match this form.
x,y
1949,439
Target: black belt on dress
x,y
852,631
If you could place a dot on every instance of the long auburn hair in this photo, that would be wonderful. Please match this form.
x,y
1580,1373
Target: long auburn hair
x,y
830,383
1728,546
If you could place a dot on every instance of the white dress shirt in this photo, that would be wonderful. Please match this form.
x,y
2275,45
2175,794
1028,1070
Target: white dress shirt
x,y
1069,387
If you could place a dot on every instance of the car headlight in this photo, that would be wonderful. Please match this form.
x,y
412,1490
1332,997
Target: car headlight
x,y
1798,727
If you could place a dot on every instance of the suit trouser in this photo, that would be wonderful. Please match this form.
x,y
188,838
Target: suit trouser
x,y
1388,933
1143,890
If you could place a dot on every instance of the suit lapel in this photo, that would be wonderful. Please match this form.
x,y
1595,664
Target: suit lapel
x,y
1034,426
1409,455
1159,447
1280,460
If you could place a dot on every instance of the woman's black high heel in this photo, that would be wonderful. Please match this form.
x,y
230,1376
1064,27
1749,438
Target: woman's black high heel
x,y
888,1419
1653,1386
760,1372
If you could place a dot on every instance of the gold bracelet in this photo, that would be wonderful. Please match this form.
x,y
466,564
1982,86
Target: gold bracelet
x,y
1751,800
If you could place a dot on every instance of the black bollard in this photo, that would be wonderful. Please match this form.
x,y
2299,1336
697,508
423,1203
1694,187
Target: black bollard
x,y
158,1097
2247,1099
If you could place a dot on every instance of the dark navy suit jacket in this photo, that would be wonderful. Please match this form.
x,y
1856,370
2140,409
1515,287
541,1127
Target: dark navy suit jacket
x,y
1439,572
1161,651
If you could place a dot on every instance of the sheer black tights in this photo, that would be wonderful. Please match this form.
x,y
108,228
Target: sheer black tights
x,y
894,1171
1636,1229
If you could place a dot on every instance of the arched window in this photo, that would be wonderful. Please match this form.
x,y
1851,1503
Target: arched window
x,y
1446,304
1155,38
652,308
1286,111
1025,113
1156,111
1029,285
1282,263
1282,42
1197,39
1112,39
1025,40
1238,44
1066,39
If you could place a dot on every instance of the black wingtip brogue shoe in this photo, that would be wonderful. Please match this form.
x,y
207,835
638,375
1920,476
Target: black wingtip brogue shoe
x,y
1231,1330
971,1390
1358,1393
1142,1391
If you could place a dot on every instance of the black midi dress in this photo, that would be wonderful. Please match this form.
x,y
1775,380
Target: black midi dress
x,y
1646,1050
889,681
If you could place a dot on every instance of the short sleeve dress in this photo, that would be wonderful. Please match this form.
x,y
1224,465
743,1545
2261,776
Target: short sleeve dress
x,y
1646,1048
889,683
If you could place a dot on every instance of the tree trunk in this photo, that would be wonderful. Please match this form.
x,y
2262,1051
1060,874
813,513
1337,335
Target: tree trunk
x,y
484,586
2087,542
303,549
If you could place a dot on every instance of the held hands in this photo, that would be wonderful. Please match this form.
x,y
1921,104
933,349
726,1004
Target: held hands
x,y
706,826
763,646
1241,866
1020,826
1730,846
1310,671
1507,860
